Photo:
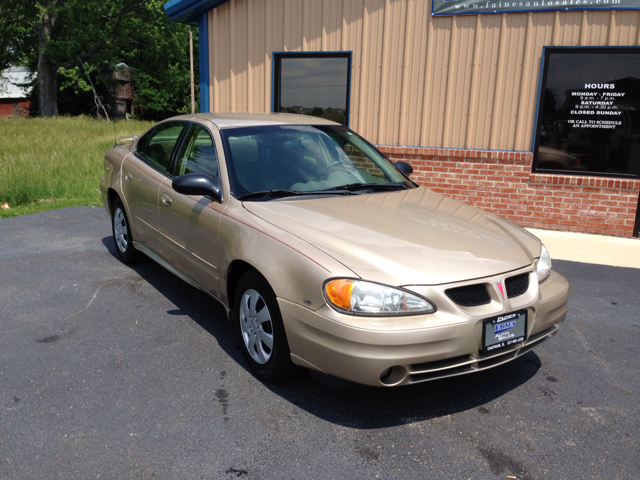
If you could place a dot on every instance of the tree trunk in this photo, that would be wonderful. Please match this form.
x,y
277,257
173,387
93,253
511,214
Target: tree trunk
x,y
47,71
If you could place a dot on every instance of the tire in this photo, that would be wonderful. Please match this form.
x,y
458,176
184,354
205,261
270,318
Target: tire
x,y
122,237
259,325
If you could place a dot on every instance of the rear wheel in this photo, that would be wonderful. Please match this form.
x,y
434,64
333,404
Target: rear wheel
x,y
122,234
261,331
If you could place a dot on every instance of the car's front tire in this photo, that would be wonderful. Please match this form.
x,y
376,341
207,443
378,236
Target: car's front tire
x,y
122,234
261,331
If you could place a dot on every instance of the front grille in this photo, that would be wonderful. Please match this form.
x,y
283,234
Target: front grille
x,y
470,295
517,285
424,372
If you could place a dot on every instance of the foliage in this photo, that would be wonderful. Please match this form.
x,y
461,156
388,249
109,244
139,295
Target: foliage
x,y
159,56
54,163
87,38
18,41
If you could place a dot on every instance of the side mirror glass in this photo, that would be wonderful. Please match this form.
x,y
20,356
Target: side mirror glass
x,y
404,167
199,184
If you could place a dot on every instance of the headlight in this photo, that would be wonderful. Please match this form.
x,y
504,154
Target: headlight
x,y
544,265
366,298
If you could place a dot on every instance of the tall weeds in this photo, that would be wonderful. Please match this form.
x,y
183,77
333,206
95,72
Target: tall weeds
x,y
57,159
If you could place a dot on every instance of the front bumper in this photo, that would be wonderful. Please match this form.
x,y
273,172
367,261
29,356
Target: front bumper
x,y
416,348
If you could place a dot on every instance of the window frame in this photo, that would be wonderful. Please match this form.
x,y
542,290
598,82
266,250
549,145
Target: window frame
x,y
276,87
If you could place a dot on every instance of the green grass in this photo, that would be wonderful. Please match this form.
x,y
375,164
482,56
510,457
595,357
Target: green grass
x,y
55,163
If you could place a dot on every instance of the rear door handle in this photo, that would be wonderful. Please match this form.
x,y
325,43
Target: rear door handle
x,y
127,177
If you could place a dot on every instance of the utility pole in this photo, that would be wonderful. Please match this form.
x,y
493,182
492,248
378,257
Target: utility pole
x,y
193,95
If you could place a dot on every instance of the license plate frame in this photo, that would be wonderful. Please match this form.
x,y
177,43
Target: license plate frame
x,y
504,331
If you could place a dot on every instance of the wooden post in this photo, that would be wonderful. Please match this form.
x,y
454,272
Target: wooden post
x,y
193,95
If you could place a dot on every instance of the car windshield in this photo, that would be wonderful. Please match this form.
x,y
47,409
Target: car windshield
x,y
293,160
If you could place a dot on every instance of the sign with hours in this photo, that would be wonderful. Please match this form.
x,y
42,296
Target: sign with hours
x,y
588,117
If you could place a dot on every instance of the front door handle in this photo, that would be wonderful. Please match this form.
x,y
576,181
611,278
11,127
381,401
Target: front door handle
x,y
166,199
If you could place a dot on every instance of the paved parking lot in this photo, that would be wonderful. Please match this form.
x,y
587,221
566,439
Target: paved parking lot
x,y
108,371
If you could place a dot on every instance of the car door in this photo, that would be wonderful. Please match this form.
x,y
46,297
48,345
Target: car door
x,y
143,173
191,224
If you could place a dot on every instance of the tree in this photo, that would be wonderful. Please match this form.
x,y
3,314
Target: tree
x,y
158,53
60,39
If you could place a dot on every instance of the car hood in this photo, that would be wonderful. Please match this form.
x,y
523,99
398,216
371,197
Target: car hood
x,y
409,237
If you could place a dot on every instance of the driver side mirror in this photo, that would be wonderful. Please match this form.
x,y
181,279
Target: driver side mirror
x,y
404,167
199,184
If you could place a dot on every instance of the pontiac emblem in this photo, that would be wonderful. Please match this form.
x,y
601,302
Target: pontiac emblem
x,y
500,286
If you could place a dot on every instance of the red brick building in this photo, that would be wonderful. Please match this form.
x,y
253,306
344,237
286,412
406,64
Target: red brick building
x,y
13,97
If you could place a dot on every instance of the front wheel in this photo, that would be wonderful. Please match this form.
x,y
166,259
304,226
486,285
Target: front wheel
x,y
259,323
122,234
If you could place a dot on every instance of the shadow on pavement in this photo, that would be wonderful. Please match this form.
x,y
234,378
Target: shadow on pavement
x,y
359,407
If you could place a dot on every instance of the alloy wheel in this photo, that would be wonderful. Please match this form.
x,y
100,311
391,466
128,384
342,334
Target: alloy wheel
x,y
120,230
256,326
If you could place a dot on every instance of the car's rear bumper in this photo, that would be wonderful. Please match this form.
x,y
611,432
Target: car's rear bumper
x,y
325,341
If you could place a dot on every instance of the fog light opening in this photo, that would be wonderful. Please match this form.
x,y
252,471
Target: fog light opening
x,y
393,375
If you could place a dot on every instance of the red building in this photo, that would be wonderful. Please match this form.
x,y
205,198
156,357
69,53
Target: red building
x,y
13,96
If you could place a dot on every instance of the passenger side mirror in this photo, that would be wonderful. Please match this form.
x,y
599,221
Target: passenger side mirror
x,y
199,184
404,167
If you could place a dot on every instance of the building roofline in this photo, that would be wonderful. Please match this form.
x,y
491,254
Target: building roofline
x,y
188,11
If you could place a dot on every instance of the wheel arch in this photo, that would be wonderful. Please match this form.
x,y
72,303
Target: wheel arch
x,y
236,270
112,195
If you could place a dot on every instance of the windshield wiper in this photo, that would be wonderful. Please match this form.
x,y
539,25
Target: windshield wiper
x,y
353,187
270,193
290,193
339,190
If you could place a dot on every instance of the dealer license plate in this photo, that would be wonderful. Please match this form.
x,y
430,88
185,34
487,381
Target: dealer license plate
x,y
504,331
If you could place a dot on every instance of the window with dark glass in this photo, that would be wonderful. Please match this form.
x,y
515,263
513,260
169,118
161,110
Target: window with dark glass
x,y
589,112
157,146
313,84
198,153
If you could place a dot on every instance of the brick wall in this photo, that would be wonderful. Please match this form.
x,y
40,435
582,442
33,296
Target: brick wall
x,y
14,108
502,183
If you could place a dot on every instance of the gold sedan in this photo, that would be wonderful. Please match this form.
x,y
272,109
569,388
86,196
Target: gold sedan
x,y
325,254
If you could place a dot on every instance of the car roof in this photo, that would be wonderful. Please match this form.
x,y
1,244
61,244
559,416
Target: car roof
x,y
233,120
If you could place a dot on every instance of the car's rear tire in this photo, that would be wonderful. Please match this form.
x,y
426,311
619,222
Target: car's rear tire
x,y
261,331
122,234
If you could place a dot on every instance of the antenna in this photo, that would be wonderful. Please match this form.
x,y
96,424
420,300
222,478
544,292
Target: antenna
x,y
115,137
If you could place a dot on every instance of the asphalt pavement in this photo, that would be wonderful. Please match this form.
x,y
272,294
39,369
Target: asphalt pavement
x,y
108,371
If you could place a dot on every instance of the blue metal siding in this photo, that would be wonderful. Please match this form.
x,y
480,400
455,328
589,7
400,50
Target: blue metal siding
x,y
203,58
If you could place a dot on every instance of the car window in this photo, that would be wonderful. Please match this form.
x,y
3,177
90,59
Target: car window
x,y
369,170
144,141
198,153
157,145
303,158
